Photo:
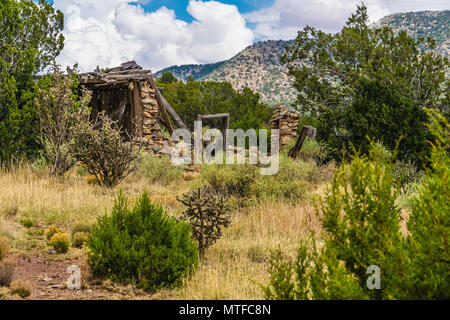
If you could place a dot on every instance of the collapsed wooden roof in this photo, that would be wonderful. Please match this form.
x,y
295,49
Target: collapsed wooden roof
x,y
125,73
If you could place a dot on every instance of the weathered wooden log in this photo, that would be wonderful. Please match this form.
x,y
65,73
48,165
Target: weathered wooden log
x,y
137,108
162,102
134,71
214,116
293,153
130,77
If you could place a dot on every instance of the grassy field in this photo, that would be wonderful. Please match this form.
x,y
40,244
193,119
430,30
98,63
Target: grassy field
x,y
233,268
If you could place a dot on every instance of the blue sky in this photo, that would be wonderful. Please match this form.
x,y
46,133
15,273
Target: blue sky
x,y
161,33
244,6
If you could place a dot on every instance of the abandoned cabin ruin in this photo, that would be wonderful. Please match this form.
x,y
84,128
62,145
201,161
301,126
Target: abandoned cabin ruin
x,y
128,94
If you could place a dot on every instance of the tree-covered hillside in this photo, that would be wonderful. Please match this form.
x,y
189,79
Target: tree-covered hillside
x,y
434,24
258,66
190,70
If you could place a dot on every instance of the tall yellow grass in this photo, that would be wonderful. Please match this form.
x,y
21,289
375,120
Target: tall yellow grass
x,y
232,269
236,265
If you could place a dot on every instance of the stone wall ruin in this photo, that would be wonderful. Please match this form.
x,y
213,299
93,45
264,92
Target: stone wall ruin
x,y
286,121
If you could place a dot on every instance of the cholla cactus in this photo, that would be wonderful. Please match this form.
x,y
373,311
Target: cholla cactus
x,y
207,213
100,146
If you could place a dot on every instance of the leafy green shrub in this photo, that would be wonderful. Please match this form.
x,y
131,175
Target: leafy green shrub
x,y
275,189
406,173
314,151
362,229
4,248
429,224
246,184
141,245
79,239
38,232
60,242
408,194
40,166
52,230
27,222
235,180
82,171
160,170
83,226
292,170
367,233
290,183
207,213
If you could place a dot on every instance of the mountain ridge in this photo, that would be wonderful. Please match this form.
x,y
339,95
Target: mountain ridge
x,y
258,66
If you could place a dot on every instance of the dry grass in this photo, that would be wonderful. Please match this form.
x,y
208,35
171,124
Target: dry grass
x,y
28,193
236,265
232,268
64,202
7,267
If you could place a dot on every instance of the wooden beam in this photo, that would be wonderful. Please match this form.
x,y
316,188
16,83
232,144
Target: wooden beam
x,y
293,153
162,102
225,127
134,71
136,108
124,77
131,95
214,116
106,85
167,119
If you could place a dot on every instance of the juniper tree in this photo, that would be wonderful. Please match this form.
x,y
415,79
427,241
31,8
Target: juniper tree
x,y
30,38
361,228
56,106
367,80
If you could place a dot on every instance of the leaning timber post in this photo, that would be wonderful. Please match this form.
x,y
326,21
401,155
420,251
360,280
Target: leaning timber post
x,y
225,127
293,153
175,117
130,95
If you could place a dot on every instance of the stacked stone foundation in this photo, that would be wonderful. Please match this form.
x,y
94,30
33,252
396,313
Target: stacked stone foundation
x,y
286,121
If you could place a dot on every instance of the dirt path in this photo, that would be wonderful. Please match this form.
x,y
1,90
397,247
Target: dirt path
x,y
48,278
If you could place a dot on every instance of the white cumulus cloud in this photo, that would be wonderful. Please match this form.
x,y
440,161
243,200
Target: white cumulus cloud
x,y
285,17
108,32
